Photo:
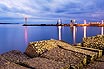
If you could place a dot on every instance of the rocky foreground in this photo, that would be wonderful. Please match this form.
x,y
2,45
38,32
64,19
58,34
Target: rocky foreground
x,y
55,54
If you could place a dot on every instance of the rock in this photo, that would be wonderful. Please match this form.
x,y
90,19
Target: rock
x,y
98,64
35,49
43,63
96,42
5,64
91,56
100,52
15,56
67,57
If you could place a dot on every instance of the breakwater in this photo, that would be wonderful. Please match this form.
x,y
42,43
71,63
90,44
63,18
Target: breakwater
x,y
77,25
72,23
56,54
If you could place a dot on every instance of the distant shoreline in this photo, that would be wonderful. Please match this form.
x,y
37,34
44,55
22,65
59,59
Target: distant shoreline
x,y
9,23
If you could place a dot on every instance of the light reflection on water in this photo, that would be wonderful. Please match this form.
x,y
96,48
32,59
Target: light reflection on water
x,y
26,34
59,33
102,29
84,31
74,35
17,36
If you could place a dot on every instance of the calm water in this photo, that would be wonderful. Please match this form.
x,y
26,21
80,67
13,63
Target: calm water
x,y
17,37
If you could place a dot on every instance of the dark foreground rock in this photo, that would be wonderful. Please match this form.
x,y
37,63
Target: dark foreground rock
x,y
61,52
43,63
67,57
15,56
5,64
100,52
97,64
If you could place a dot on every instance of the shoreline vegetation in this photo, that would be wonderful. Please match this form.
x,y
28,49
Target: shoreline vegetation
x,y
57,54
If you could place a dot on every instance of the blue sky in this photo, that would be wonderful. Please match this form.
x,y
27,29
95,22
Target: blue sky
x,y
51,10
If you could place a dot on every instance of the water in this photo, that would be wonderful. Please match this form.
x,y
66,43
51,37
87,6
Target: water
x,y
17,37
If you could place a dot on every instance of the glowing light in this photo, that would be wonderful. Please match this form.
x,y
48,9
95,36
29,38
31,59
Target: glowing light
x,y
84,29
102,29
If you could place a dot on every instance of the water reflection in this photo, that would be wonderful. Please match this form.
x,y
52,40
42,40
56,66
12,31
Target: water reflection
x,y
73,31
102,29
74,34
17,36
84,29
26,34
59,32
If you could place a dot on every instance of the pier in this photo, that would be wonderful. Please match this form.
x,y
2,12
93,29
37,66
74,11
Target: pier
x,y
94,24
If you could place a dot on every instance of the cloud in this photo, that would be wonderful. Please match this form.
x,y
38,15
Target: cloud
x,y
52,9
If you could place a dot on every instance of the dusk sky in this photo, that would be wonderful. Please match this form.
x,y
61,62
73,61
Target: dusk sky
x,y
51,10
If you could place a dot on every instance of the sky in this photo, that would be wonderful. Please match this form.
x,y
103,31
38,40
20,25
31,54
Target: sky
x,y
51,10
